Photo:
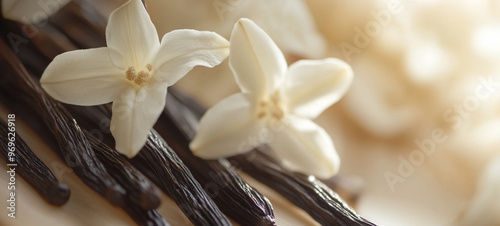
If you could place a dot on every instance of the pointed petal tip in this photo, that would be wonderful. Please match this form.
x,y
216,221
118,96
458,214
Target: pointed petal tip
x,y
83,77
134,115
346,72
129,152
342,66
305,147
212,151
194,146
182,50
329,165
245,21
201,149
225,128
312,86
257,63
199,152
331,169
324,169
131,33
129,149
223,41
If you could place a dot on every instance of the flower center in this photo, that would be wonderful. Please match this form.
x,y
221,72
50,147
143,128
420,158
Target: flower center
x,y
140,78
271,107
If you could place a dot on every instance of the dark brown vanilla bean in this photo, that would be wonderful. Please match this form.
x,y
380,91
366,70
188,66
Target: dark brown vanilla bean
x,y
140,191
74,147
308,193
138,214
160,163
233,195
31,168
347,187
144,217
81,24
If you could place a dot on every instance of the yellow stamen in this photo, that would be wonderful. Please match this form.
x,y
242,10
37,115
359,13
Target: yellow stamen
x,y
271,107
131,74
140,78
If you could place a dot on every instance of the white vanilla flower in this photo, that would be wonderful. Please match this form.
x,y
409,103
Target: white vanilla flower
x,y
29,11
275,99
134,71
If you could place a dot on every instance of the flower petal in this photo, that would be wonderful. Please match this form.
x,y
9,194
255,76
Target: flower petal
x,y
257,63
311,86
132,35
181,50
30,12
134,114
83,77
229,128
305,147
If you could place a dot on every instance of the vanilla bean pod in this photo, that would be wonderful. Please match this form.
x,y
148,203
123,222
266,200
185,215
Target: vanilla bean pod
x,y
233,195
142,195
82,25
308,193
140,215
140,191
160,163
162,166
135,211
74,147
31,168
144,217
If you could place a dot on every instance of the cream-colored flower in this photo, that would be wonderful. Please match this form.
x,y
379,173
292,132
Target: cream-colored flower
x,y
134,71
277,100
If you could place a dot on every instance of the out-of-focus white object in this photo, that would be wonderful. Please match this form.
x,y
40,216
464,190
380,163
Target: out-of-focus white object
x,y
29,11
484,207
413,59
289,23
